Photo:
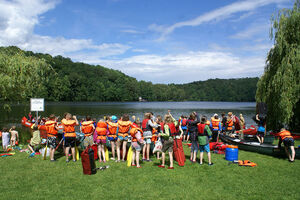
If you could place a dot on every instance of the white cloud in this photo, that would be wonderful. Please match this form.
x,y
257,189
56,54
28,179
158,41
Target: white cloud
x,y
186,67
131,31
18,19
253,30
217,14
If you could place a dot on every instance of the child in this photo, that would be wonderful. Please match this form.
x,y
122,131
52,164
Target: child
x,y
14,136
51,129
35,140
137,142
192,127
289,144
87,127
5,139
112,135
123,128
101,139
147,126
160,129
204,132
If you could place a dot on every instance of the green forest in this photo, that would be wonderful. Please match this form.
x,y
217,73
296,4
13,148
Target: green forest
x,y
24,74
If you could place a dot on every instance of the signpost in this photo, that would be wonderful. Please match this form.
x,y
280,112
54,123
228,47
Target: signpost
x,y
37,105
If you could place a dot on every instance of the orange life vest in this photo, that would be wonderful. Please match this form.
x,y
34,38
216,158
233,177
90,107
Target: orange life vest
x,y
69,127
246,163
154,135
112,129
50,128
87,128
124,127
215,123
285,134
229,124
133,132
101,130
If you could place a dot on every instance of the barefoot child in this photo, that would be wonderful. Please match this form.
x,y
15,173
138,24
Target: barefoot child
x,y
101,139
51,128
14,136
35,141
203,133
123,129
87,128
112,135
137,143
5,139
147,126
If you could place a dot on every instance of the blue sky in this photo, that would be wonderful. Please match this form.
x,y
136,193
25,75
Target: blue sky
x,y
163,41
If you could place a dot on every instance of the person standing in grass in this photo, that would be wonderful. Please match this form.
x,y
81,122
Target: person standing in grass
x,y
192,127
261,130
216,127
102,129
183,125
167,135
123,129
147,126
5,138
14,139
203,133
285,136
137,143
51,128
69,124
112,135
87,128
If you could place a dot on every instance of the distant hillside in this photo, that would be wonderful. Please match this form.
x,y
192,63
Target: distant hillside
x,y
75,81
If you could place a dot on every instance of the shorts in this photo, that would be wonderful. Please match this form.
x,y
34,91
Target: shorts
x,y
288,142
136,146
103,141
185,132
167,145
112,138
70,141
194,146
148,140
122,138
52,142
147,134
88,141
204,148
261,134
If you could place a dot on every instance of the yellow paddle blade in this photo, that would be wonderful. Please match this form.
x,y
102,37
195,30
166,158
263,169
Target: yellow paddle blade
x,y
76,153
45,153
106,154
129,157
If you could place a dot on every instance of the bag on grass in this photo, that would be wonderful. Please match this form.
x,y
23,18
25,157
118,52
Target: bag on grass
x,y
158,146
88,162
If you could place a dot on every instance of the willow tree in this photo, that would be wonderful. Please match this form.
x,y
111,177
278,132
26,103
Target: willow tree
x,y
279,86
21,77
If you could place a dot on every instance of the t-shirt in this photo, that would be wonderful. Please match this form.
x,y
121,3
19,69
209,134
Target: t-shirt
x,y
36,138
203,140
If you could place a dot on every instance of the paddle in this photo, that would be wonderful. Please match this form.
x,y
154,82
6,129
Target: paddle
x,y
76,152
45,153
106,154
59,143
129,157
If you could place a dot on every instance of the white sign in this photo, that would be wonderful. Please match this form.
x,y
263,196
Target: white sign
x,y
36,104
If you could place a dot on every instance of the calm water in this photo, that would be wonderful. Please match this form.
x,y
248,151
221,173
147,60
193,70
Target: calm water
x,y
98,110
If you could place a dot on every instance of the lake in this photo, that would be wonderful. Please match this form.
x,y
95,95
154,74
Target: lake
x,y
98,110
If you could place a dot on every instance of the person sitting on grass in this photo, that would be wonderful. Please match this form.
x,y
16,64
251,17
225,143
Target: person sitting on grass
x,y
69,124
5,139
167,135
285,136
203,133
14,139
35,141
51,128
137,143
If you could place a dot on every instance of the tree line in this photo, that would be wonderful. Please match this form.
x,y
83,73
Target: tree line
x,y
24,74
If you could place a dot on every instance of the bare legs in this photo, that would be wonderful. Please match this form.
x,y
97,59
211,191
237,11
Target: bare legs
x,y
163,158
208,155
67,153
113,144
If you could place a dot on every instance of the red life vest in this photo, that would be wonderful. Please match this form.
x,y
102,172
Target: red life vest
x,y
201,128
172,129
145,126
183,122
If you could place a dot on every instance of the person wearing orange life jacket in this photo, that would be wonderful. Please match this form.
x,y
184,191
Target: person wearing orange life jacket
x,y
216,127
87,127
51,129
229,123
137,141
285,136
112,134
102,131
147,126
123,129
69,124
167,135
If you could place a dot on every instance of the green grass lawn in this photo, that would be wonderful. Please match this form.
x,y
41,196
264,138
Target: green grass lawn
x,y
33,178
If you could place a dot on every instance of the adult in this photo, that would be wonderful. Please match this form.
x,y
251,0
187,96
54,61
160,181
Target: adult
x,y
216,127
203,133
87,128
242,125
285,136
69,123
192,128
261,130
147,126
51,129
